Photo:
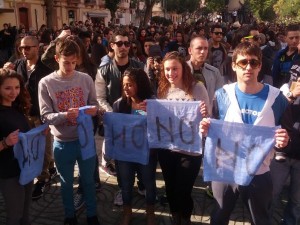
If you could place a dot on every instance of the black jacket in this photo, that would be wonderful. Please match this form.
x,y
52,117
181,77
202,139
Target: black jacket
x,y
37,74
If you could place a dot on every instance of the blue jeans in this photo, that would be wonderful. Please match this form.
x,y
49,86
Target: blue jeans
x,y
126,175
66,154
280,171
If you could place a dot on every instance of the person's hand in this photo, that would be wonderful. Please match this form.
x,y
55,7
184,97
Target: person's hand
x,y
9,65
12,138
64,34
72,114
204,126
296,89
143,106
203,109
150,63
91,111
281,138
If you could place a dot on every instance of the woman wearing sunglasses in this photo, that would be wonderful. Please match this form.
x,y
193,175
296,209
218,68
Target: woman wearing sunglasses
x,y
180,169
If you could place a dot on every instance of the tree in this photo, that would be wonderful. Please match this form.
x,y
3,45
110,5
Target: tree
x,y
182,6
288,10
112,6
216,5
263,9
148,11
49,12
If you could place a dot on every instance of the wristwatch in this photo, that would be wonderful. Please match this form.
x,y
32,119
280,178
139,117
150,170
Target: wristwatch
x,y
290,95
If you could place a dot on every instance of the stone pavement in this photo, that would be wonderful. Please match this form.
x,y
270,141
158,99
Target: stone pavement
x,y
49,210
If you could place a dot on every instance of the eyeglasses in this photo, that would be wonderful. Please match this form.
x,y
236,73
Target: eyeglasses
x,y
218,33
121,43
26,48
133,47
254,63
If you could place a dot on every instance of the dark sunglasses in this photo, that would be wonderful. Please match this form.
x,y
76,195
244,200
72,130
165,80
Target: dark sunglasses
x,y
254,63
218,33
121,43
26,48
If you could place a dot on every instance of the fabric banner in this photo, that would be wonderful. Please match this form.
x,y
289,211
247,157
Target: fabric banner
x,y
235,151
174,125
30,152
126,137
85,129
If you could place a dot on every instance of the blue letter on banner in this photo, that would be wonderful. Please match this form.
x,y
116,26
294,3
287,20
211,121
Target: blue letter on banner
x,y
29,152
235,151
126,137
174,125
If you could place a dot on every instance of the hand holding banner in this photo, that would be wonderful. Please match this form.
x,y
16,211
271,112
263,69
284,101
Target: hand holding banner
x,y
234,151
29,152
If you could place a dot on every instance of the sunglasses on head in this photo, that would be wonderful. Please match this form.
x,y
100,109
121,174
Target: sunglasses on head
x,y
254,63
121,43
26,48
218,33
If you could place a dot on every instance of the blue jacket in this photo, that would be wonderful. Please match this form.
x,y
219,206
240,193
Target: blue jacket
x,y
280,67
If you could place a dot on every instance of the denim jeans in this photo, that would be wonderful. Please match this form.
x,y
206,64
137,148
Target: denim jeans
x,y
66,154
257,197
180,172
126,175
280,172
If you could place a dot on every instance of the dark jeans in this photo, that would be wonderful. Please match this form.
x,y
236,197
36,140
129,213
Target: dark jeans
x,y
180,172
257,196
280,172
17,200
126,174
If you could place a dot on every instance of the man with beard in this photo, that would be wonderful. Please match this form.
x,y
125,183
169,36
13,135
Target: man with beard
x,y
108,87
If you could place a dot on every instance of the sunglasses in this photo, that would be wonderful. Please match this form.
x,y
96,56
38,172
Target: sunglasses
x,y
218,33
254,63
121,43
26,48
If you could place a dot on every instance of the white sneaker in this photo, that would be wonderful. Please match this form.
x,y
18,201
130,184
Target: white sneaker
x,y
118,198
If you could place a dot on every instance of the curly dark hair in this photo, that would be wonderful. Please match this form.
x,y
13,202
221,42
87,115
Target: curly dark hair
x,y
188,80
139,76
22,102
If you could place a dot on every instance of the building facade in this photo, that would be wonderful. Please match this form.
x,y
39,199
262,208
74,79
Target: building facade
x,y
32,13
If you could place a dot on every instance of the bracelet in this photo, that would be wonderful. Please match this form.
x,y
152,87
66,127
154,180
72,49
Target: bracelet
x,y
4,143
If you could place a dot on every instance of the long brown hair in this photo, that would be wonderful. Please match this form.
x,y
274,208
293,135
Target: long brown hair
x,y
188,81
22,102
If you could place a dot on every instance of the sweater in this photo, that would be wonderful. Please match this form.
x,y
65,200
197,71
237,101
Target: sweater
x,y
57,94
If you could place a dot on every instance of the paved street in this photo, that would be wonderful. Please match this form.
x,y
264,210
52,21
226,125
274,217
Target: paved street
x,y
49,211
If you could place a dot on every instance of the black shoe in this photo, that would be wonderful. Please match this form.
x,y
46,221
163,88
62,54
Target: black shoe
x,y
93,220
52,172
39,189
70,221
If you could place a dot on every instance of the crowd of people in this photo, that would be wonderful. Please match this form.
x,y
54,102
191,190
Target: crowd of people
x,y
247,73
